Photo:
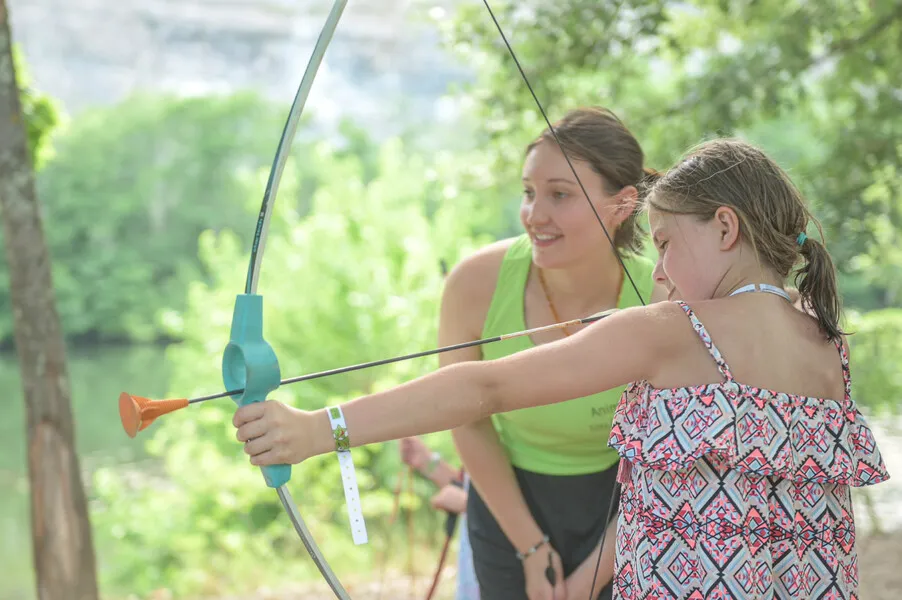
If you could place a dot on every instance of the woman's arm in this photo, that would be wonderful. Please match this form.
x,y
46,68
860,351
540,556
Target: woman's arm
x,y
493,477
477,443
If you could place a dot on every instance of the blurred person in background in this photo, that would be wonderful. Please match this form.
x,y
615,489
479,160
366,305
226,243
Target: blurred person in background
x,y
450,498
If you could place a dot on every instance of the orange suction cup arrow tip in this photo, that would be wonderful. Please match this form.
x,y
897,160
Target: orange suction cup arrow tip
x,y
137,412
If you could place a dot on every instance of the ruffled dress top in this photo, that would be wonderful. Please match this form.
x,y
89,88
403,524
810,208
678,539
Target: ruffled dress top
x,y
733,491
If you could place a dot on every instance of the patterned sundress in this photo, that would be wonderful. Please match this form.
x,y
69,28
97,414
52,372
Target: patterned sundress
x,y
732,491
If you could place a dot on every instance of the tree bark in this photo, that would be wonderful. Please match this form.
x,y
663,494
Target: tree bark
x,y
62,544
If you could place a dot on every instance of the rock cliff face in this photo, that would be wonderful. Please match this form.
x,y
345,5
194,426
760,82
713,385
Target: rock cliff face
x,y
385,63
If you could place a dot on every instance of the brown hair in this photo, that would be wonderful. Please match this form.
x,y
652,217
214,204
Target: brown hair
x,y
772,213
596,136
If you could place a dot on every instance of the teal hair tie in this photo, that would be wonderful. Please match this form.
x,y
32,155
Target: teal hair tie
x,y
801,239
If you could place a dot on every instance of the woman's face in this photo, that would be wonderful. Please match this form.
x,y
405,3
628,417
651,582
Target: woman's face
x,y
554,213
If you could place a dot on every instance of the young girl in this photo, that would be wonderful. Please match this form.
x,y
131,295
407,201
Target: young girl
x,y
739,437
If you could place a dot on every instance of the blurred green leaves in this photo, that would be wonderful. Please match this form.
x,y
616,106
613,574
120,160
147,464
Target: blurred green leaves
x,y
150,206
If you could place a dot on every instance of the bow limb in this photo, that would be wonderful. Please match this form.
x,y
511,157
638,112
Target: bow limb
x,y
616,493
291,125
249,362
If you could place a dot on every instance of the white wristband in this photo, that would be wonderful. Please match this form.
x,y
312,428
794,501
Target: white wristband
x,y
348,476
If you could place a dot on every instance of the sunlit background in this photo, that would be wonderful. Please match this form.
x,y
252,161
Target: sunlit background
x,y
155,124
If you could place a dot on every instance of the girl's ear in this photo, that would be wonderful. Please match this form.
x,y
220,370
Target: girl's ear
x,y
727,222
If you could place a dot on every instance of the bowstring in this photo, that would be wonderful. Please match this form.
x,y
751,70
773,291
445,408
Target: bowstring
x,y
616,493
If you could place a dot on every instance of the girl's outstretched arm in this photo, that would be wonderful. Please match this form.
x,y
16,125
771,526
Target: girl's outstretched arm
x,y
609,353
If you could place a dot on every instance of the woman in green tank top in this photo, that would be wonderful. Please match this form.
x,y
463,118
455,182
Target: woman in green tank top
x,y
547,471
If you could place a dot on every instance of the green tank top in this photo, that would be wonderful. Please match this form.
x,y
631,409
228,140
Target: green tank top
x,y
567,438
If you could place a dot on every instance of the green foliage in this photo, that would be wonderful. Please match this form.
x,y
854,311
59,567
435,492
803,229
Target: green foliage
x,y
126,195
874,350
356,279
878,271
40,112
823,77
150,204
130,188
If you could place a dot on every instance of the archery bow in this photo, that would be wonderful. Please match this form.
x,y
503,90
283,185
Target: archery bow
x,y
249,362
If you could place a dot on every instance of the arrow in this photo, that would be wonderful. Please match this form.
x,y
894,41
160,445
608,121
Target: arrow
x,y
137,412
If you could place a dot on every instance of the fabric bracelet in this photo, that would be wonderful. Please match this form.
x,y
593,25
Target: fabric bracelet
x,y
348,475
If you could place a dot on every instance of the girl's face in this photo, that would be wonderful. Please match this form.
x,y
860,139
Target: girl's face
x,y
553,212
693,255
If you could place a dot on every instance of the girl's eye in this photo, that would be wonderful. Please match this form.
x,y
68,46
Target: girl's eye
x,y
560,195
528,193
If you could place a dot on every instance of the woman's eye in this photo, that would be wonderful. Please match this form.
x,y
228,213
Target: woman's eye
x,y
560,195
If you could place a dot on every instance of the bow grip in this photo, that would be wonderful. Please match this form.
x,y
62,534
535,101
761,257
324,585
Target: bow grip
x,y
249,363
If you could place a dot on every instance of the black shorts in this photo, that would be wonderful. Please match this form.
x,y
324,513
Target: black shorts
x,y
570,509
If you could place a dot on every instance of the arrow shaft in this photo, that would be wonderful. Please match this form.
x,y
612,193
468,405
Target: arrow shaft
x,y
386,361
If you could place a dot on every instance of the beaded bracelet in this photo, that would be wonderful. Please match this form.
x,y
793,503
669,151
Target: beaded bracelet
x,y
524,555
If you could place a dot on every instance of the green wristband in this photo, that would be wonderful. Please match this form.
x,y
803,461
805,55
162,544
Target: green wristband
x,y
339,432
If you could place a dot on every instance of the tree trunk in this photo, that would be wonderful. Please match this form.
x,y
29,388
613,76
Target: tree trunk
x,y
63,549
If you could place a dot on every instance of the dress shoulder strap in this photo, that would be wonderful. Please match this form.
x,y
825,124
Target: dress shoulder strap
x,y
706,340
846,373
